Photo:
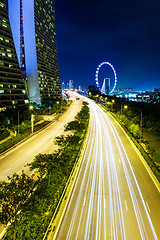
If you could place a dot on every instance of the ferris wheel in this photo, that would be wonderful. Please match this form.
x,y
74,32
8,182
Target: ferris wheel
x,y
97,72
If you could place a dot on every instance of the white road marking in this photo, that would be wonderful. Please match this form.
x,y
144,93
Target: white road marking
x,y
8,169
126,205
84,202
148,207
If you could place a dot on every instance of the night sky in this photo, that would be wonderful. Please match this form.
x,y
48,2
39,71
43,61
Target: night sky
x,y
125,33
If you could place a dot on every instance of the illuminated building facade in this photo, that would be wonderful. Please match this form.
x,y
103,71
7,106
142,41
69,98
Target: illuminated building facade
x,y
12,87
33,28
71,84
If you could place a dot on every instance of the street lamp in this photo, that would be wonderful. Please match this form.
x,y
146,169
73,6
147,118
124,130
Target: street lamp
x,y
32,118
112,103
125,107
105,101
60,106
31,107
97,96
18,122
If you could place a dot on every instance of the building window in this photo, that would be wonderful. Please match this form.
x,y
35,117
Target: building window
x,y
1,5
4,25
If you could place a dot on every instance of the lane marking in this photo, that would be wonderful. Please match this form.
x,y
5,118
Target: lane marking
x,y
84,202
148,207
7,170
126,205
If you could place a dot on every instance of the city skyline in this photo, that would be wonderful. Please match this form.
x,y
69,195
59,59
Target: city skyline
x,y
125,34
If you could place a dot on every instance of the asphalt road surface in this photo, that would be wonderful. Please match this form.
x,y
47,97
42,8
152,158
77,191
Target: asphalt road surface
x,y
115,195
14,160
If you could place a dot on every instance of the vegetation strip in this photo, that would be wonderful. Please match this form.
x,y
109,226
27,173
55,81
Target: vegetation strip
x,y
134,137
31,216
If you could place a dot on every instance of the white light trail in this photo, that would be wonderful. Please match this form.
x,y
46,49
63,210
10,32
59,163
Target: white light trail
x,y
133,197
100,209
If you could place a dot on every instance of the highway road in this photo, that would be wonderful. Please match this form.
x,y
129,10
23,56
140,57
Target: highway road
x,y
115,195
42,142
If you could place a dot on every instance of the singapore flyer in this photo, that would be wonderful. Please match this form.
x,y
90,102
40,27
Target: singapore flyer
x,y
102,89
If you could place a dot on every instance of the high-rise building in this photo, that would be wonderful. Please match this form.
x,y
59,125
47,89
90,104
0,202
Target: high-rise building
x,y
33,28
63,85
12,87
71,84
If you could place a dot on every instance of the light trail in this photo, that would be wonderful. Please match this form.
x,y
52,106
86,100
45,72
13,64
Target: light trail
x,y
98,208
114,179
134,200
79,196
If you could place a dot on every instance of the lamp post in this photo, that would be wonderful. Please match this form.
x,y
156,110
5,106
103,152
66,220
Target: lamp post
x,y
18,122
112,104
32,118
105,101
57,103
125,107
97,96
61,105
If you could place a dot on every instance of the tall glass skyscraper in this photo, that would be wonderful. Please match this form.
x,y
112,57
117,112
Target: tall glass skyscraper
x,y
12,87
33,28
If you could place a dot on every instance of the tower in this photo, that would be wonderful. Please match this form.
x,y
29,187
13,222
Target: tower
x,y
34,33
71,84
63,85
12,87
108,85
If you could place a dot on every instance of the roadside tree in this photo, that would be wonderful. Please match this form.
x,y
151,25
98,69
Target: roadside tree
x,y
13,195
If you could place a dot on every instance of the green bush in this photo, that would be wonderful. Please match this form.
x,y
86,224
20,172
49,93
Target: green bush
x,y
134,129
4,133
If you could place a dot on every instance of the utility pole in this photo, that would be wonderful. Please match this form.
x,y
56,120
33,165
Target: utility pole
x,y
18,122
141,124
32,122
